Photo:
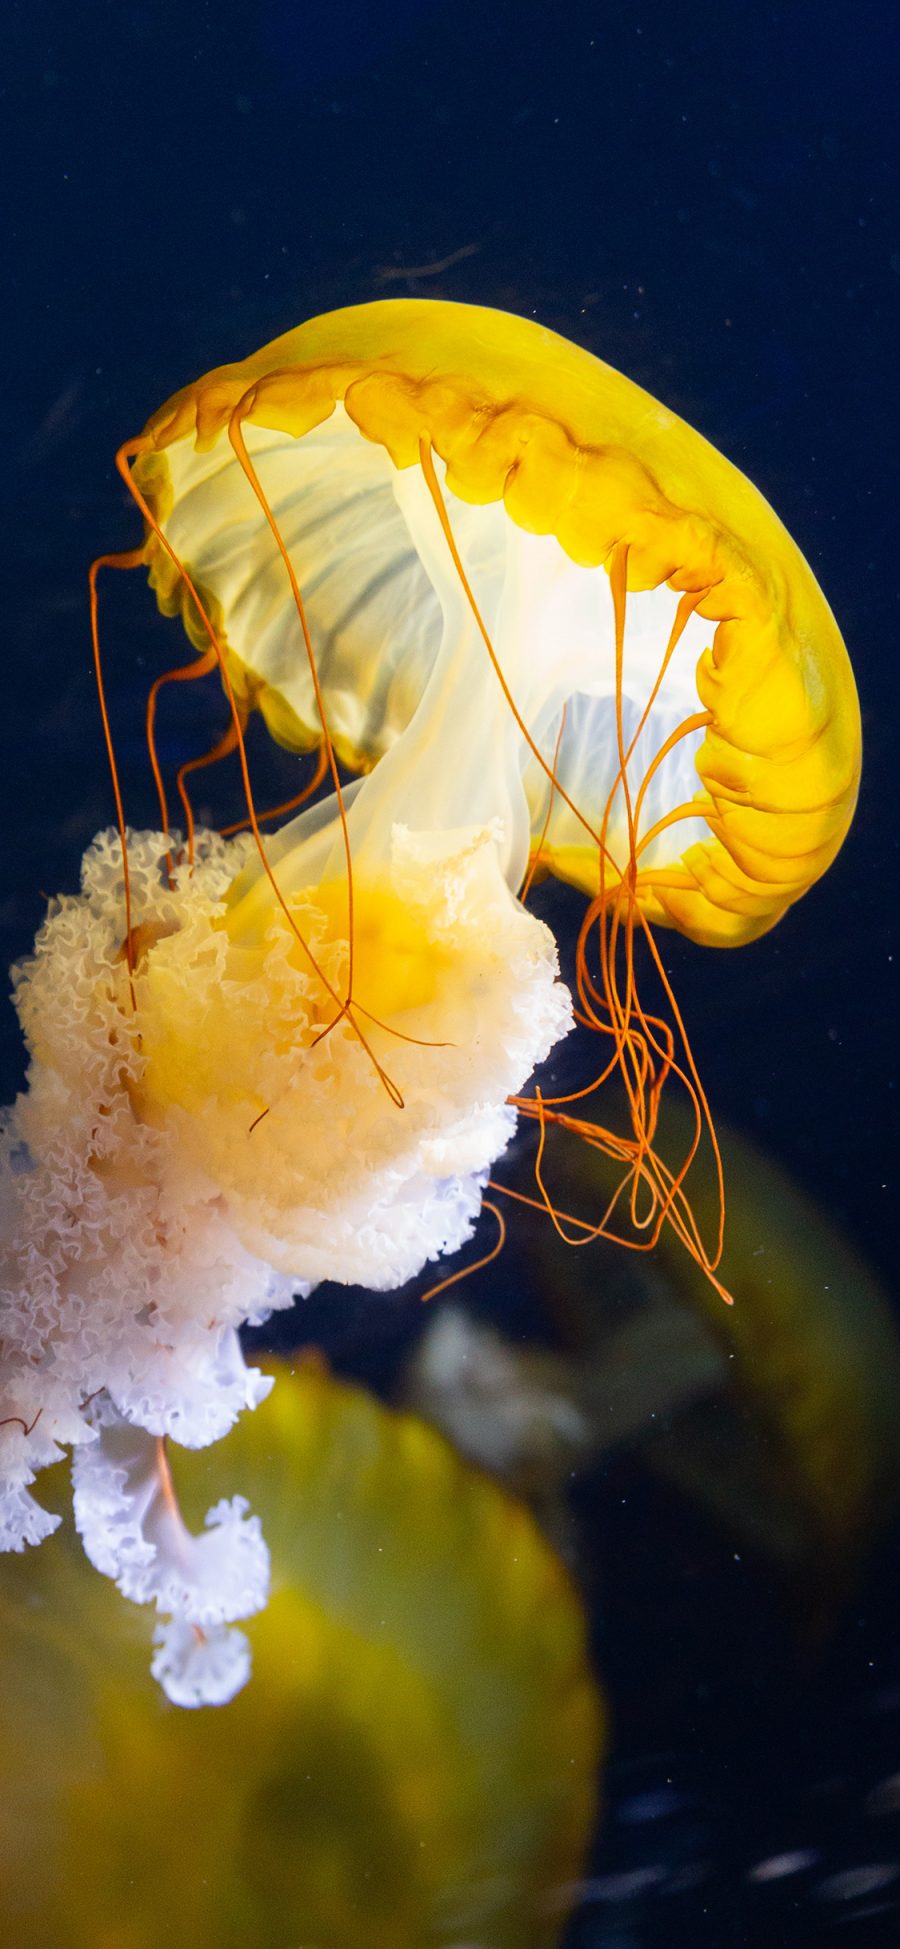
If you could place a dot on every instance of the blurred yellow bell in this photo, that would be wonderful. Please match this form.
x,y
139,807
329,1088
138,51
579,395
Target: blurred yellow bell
x,y
413,1764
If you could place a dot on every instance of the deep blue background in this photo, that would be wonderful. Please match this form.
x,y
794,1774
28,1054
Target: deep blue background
x,y
704,195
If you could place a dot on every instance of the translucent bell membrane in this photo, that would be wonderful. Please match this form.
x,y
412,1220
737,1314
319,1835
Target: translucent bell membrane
x,y
407,679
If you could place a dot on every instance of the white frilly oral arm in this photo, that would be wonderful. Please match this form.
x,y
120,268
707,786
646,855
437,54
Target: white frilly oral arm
x,y
133,1531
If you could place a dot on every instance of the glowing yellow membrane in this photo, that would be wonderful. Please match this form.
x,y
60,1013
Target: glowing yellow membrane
x,y
402,1771
408,685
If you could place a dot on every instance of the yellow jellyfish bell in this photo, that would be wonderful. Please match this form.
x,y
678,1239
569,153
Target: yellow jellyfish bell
x,y
437,472
414,1763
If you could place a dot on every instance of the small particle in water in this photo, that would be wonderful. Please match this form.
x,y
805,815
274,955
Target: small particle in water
x,y
778,1866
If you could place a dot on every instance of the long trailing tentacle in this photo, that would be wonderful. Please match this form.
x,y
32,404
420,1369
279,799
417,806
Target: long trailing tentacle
x,y
127,559
222,748
643,1050
129,451
350,1007
346,1008
537,851
287,805
239,445
478,1265
199,666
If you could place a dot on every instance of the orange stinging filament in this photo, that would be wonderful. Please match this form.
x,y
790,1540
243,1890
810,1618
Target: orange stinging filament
x,y
644,1054
222,748
235,435
349,1007
131,558
129,451
643,1045
287,805
478,1265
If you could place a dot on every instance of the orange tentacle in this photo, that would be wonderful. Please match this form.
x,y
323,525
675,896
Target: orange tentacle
x,y
465,1272
130,558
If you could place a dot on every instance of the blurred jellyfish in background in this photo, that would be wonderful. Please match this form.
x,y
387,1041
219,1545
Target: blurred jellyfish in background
x,y
414,1763
780,1415
547,629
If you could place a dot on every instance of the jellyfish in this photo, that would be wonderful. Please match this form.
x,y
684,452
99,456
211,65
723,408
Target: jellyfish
x,y
400,1771
780,1415
523,622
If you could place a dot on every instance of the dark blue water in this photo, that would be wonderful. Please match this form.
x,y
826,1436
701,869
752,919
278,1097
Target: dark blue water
x,y
707,197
